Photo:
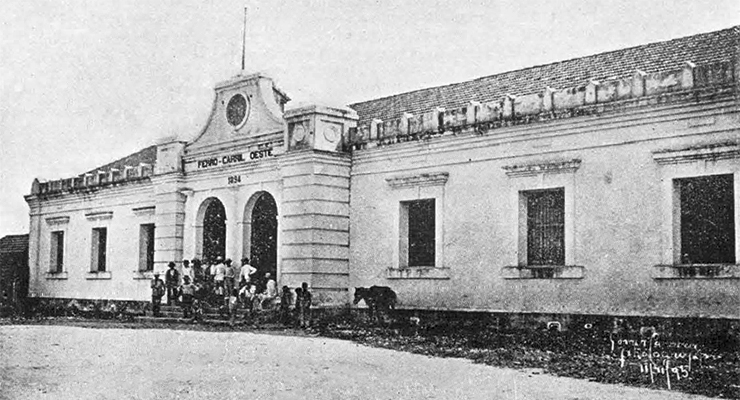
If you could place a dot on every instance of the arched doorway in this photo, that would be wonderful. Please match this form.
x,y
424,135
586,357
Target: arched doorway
x,y
261,233
212,227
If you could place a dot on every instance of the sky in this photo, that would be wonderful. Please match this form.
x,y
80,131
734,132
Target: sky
x,y
83,83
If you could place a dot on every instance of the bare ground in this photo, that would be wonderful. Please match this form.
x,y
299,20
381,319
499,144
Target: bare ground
x,y
63,362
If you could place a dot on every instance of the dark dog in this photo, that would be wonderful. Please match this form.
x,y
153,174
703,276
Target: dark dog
x,y
377,298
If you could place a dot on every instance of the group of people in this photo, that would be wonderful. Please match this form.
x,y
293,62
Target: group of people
x,y
227,285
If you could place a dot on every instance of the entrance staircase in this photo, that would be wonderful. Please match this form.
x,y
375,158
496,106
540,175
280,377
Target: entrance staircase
x,y
212,315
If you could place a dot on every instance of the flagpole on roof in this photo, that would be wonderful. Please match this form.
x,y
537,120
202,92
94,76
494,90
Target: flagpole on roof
x,y
244,37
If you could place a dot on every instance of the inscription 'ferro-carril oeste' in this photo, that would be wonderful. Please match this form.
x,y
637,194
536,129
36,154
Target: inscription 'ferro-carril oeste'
x,y
233,158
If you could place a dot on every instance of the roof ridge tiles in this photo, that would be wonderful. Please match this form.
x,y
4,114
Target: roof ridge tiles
x,y
659,49
147,155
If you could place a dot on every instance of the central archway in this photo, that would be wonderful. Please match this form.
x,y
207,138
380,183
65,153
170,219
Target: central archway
x,y
211,229
260,234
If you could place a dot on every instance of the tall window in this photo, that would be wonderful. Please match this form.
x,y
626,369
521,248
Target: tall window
x,y
545,227
99,241
146,247
707,219
56,264
418,232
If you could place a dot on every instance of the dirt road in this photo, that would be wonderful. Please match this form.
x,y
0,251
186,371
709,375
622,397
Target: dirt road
x,y
61,362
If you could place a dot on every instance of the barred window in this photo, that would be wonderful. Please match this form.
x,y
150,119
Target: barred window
x,y
545,227
146,247
57,252
99,245
707,219
418,233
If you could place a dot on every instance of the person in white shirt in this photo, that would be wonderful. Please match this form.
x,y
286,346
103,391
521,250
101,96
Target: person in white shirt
x,y
270,294
187,271
246,272
219,273
248,295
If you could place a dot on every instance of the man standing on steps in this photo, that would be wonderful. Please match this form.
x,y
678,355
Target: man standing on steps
x,y
172,281
158,290
246,272
229,275
304,304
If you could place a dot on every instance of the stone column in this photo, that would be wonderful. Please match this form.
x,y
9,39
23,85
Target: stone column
x,y
234,225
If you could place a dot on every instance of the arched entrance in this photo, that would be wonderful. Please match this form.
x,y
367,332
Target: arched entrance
x,y
260,235
211,229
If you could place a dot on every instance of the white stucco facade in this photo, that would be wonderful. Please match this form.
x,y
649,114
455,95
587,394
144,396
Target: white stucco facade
x,y
346,189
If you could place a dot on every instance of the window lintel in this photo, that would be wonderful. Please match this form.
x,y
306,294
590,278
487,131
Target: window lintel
x,y
552,167
58,220
426,179
99,215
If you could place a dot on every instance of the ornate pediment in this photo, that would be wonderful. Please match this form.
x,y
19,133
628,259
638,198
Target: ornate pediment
x,y
246,108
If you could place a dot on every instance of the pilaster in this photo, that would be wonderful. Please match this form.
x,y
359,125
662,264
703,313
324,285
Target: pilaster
x,y
34,232
170,197
315,224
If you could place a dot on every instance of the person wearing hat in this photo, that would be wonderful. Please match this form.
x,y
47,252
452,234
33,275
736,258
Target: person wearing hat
x,y
158,290
171,281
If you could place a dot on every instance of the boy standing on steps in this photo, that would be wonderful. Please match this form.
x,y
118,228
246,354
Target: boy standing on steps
x,y
187,292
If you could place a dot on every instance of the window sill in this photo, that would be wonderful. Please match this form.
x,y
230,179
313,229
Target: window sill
x,y
696,271
98,275
418,273
141,275
56,275
546,272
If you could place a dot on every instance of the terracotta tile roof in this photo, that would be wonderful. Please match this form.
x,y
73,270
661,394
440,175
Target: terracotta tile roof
x,y
700,49
14,244
147,156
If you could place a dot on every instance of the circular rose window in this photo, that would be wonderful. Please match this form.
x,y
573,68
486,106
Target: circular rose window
x,y
237,110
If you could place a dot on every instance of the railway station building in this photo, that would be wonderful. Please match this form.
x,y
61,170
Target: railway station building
x,y
607,184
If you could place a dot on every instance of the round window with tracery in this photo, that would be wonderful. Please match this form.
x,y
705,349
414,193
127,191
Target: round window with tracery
x,y
237,110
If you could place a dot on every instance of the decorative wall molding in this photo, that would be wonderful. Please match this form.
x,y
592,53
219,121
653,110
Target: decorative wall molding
x,y
706,153
56,275
98,275
58,220
543,272
143,211
143,275
427,179
696,271
418,273
554,167
99,215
